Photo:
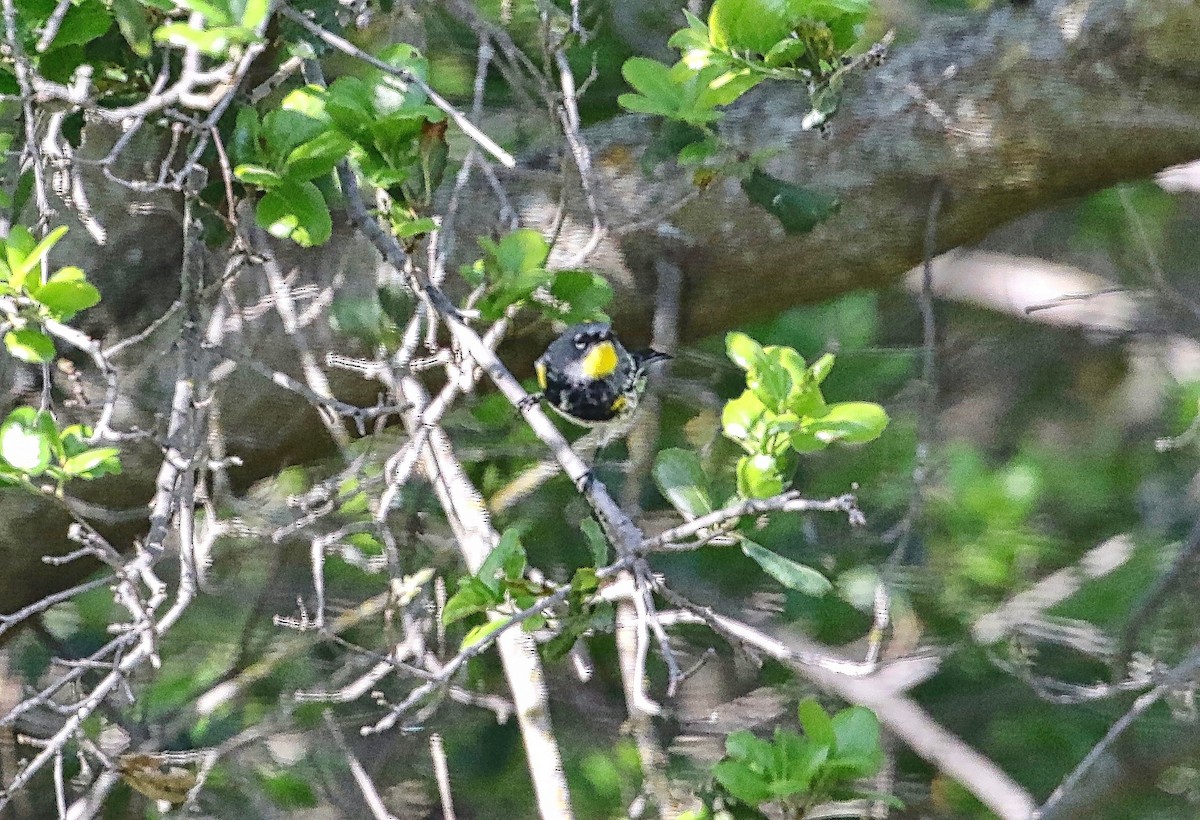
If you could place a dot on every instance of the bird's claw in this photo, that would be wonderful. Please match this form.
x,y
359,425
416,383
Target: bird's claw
x,y
585,482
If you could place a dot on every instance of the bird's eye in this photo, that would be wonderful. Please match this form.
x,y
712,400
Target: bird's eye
x,y
580,341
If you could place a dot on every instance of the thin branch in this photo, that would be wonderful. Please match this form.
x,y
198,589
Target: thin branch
x,y
370,794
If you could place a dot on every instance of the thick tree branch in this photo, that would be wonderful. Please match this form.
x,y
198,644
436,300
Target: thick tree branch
x,y
1012,111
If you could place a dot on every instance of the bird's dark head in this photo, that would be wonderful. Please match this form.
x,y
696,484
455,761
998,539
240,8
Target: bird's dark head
x,y
590,333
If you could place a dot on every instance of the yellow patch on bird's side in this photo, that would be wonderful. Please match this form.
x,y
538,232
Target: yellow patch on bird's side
x,y
619,404
600,361
539,367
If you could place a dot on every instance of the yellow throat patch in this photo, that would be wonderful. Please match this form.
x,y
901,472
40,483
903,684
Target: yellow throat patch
x,y
600,361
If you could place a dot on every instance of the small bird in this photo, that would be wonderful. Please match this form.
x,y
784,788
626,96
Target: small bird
x,y
588,376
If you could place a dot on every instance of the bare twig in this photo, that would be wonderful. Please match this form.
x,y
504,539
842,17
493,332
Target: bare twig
x,y
441,772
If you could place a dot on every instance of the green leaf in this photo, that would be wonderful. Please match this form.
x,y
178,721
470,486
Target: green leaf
x,y
479,633
296,211
254,13
654,82
30,345
349,105
853,422
23,255
17,246
761,475
289,791
391,93
472,596
285,129
213,42
798,209
742,420
818,726
584,293
857,731
409,228
681,480
783,382
514,268
749,748
742,350
43,247
243,144
742,782
216,12
697,152
716,85
750,25
785,52
796,761
28,440
786,571
828,9
317,157
597,543
771,378
521,251
134,25
83,23
93,463
67,292
821,367
506,560
257,175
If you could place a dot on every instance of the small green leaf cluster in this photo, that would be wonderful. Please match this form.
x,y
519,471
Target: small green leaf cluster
x,y
32,445
292,146
743,43
682,481
512,272
383,122
500,585
226,23
782,414
797,772
64,293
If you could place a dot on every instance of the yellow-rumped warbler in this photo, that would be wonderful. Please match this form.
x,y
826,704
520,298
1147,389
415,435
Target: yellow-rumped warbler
x,y
587,375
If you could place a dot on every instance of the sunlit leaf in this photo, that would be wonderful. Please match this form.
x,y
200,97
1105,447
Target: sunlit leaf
x,y
30,345
67,292
28,439
296,211
853,422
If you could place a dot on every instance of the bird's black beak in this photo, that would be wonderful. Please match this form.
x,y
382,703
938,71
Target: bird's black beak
x,y
651,356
